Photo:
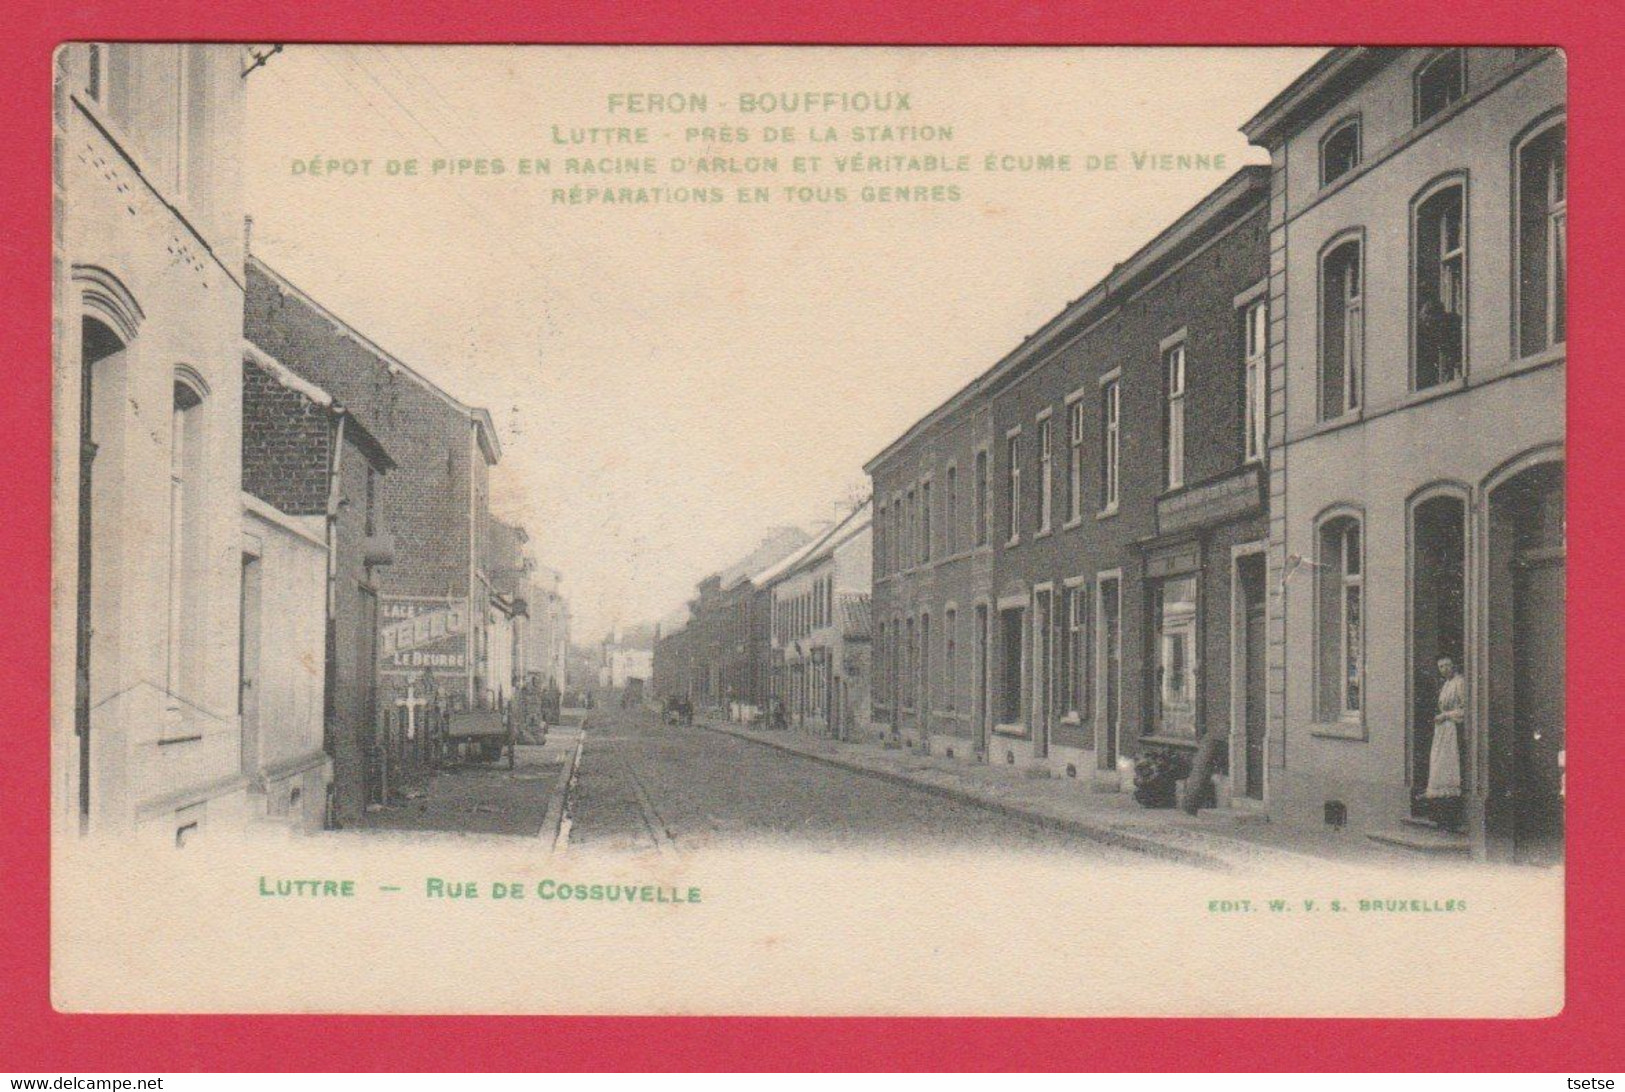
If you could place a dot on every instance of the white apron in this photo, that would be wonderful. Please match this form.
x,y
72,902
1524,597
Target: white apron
x,y
1444,761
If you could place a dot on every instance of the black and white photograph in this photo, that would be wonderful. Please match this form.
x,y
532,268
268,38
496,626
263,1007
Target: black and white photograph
x,y
838,525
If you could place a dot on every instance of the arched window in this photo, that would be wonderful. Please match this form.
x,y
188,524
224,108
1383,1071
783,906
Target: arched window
x,y
1543,238
1340,573
186,457
1339,151
1342,334
1441,81
1439,286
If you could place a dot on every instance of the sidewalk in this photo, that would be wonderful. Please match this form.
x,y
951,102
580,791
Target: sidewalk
x,y
487,798
1217,840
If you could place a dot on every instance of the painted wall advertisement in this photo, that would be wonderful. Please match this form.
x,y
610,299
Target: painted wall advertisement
x,y
423,634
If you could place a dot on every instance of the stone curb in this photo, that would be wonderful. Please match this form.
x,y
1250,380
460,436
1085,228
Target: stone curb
x,y
554,819
1095,832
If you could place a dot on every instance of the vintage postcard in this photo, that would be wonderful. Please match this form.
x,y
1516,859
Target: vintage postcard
x,y
746,530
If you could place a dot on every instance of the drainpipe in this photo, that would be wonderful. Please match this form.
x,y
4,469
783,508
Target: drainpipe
x,y
335,497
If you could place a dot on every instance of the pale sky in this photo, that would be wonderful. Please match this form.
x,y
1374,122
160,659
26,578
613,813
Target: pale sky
x,y
670,380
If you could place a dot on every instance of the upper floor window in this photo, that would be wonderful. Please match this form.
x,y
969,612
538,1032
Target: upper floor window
x,y
186,532
1439,279
910,530
1046,474
925,522
1340,151
1441,81
1074,462
880,535
950,515
1340,573
982,487
1111,436
1173,368
1013,488
1255,352
1543,239
1342,334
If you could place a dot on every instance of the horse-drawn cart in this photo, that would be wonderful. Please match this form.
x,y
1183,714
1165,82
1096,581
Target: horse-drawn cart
x,y
481,733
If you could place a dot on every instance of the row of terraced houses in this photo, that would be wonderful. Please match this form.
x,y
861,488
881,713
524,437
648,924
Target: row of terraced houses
x,y
281,557
1234,502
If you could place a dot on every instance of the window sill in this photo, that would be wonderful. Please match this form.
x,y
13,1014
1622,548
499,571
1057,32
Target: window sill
x,y
1073,524
1170,741
1009,542
1107,513
1339,729
1043,533
1015,731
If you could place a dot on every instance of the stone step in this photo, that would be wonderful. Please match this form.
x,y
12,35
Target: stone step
x,y
1421,840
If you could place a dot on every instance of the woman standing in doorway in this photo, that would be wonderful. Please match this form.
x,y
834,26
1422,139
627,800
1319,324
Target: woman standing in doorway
x,y
1444,761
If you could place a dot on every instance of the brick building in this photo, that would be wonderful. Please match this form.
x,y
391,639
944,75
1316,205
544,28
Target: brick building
x,y
1419,227
819,598
727,637
434,598
320,468
1058,544
147,285
1129,493
933,556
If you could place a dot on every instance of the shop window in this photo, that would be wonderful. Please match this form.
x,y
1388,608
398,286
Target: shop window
x,y
1441,81
1341,623
1340,151
1342,336
1543,239
1175,610
1439,280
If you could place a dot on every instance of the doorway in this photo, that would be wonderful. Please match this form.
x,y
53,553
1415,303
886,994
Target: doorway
x,y
248,664
1250,584
1110,605
100,412
1528,546
1438,623
983,631
1043,668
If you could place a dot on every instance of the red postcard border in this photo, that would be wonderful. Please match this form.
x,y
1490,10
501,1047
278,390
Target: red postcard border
x,y
34,1037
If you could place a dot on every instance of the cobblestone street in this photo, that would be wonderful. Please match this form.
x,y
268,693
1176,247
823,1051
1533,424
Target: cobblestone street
x,y
646,785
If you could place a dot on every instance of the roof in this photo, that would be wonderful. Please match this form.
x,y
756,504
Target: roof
x,y
1248,185
853,523
286,377
775,545
1324,81
481,417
